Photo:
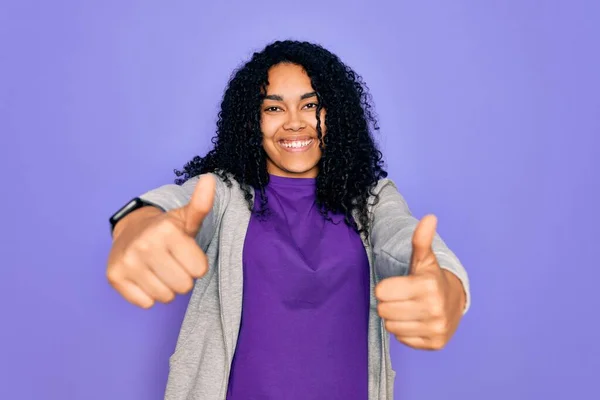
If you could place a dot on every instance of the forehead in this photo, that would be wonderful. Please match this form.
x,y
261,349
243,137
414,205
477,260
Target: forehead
x,y
288,78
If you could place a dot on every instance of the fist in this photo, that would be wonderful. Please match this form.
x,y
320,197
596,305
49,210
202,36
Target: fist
x,y
423,309
156,257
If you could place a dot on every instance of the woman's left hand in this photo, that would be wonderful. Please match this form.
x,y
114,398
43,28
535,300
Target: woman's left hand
x,y
424,308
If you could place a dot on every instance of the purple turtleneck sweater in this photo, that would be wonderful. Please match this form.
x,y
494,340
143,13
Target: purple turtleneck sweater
x,y
303,332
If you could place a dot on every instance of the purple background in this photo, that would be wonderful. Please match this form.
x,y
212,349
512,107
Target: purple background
x,y
490,119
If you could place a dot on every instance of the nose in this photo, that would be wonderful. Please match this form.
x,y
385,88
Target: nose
x,y
294,122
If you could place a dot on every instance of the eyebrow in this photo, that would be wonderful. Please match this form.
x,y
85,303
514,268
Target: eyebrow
x,y
278,97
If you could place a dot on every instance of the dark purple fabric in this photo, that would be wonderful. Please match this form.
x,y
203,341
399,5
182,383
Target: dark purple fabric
x,y
304,324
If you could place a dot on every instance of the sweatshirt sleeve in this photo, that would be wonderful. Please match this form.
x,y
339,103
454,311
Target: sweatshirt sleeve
x,y
391,236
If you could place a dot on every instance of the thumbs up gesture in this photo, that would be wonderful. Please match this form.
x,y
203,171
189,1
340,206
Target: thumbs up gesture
x,y
424,308
155,255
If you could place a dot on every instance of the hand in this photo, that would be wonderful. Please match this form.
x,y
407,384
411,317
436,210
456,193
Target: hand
x,y
423,309
156,257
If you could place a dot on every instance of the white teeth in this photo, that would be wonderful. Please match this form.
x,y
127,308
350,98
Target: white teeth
x,y
296,143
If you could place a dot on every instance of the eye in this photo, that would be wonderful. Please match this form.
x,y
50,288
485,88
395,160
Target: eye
x,y
311,105
272,109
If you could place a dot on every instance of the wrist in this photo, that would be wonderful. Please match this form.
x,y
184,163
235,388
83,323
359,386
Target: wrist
x,y
135,217
457,290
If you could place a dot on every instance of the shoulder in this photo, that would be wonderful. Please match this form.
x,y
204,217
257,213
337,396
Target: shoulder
x,y
385,188
222,190
386,196
384,184
224,181
228,190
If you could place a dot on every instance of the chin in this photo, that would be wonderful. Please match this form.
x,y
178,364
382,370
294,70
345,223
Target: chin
x,y
298,164
294,170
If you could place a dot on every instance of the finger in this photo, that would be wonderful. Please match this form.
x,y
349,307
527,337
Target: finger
x,y
189,255
171,273
422,240
154,287
400,288
200,204
133,294
406,328
424,342
410,310
415,342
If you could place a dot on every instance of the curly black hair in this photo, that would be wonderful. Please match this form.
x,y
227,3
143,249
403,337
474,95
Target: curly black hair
x,y
351,164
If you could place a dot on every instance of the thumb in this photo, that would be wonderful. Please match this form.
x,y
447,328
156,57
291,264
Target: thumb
x,y
422,242
200,204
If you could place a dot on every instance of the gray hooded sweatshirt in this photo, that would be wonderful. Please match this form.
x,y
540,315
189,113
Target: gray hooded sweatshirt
x,y
200,365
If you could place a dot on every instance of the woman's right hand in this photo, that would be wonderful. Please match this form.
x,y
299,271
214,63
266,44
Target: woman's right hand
x,y
155,255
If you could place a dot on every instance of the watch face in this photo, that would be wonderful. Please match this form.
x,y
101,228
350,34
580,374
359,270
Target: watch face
x,y
126,209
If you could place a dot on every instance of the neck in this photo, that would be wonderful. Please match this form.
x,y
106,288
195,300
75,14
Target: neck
x,y
275,171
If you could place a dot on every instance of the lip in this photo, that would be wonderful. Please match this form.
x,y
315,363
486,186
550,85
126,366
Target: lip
x,y
295,138
297,149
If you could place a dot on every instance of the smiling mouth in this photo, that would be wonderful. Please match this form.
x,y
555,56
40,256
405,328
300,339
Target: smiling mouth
x,y
296,145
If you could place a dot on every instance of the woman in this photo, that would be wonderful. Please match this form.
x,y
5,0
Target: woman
x,y
301,255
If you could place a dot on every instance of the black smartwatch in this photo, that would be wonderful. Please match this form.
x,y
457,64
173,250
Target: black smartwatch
x,y
127,209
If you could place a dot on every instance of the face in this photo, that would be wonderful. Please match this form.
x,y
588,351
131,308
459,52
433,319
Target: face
x,y
289,123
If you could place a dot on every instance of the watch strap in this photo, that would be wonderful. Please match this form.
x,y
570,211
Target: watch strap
x,y
134,204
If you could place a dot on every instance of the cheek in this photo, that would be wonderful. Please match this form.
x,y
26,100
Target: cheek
x,y
268,127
